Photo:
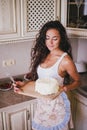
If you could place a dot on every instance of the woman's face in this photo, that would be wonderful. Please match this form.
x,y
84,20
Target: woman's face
x,y
52,39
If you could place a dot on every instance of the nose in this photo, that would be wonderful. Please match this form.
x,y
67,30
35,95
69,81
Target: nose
x,y
51,41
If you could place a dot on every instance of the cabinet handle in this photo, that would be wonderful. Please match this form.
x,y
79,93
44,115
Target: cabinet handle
x,y
28,115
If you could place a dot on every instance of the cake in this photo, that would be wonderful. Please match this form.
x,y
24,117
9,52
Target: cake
x,y
46,86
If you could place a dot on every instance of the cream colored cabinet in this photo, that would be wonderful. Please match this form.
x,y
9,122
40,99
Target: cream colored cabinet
x,y
22,19
17,117
81,116
74,17
37,12
1,122
9,19
79,111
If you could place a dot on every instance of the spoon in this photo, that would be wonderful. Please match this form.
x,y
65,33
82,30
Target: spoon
x,y
11,78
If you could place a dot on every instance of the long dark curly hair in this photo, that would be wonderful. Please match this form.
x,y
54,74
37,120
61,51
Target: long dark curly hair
x,y
39,52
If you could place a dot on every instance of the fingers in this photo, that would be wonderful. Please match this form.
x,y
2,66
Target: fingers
x,y
16,89
17,86
19,83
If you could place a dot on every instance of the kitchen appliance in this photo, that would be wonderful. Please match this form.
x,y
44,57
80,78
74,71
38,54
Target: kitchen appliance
x,y
81,67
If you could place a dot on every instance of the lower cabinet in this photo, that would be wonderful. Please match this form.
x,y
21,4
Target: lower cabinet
x,y
79,111
1,122
81,117
17,117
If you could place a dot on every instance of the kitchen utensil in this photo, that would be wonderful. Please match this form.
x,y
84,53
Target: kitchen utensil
x,y
11,78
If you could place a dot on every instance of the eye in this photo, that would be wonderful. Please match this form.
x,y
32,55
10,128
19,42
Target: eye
x,y
55,39
47,38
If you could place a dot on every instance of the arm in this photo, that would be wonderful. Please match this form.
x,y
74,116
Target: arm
x,y
70,68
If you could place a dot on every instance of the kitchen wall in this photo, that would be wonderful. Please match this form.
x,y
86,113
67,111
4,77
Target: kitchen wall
x,y
82,50
74,44
79,50
20,52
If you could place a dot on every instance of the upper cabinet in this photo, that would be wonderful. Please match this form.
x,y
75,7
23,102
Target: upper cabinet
x,y
37,12
9,19
21,19
74,17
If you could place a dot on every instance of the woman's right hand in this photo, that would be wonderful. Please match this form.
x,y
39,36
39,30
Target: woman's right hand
x,y
17,86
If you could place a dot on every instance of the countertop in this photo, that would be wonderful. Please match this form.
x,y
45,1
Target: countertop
x,y
8,98
83,79
82,90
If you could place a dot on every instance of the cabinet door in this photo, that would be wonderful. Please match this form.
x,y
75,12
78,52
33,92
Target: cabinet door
x,y
81,116
36,13
31,111
1,122
15,119
79,110
18,117
9,19
74,17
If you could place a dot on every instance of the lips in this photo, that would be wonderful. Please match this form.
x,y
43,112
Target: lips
x,y
50,47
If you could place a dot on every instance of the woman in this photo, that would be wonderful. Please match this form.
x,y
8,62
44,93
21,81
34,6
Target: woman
x,y
51,56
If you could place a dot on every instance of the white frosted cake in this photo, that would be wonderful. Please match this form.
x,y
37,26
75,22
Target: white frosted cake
x,y
46,86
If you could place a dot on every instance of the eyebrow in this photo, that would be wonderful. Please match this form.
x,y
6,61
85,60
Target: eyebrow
x,y
53,36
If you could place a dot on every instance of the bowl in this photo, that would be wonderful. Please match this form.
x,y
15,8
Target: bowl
x,y
6,86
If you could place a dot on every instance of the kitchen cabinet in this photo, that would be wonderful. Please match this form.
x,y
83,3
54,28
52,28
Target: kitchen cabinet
x,y
74,17
17,117
79,110
81,116
22,19
1,122
36,13
9,19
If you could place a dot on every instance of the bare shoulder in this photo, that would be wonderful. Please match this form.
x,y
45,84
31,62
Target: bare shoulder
x,y
67,61
68,64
